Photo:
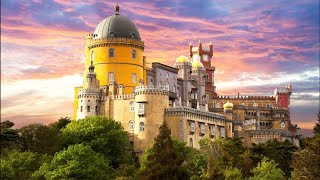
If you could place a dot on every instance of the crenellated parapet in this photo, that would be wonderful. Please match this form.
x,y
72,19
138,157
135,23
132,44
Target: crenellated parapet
x,y
157,90
124,96
246,97
270,132
113,41
186,111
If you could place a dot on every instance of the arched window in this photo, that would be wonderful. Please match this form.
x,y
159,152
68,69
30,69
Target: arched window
x,y
111,52
131,125
132,106
191,142
141,127
160,83
92,56
134,52
134,78
168,86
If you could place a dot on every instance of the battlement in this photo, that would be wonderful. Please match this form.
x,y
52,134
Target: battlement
x,y
125,96
83,90
112,41
246,97
89,36
159,90
191,111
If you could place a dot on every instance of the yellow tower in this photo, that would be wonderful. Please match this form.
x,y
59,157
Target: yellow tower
x,y
116,50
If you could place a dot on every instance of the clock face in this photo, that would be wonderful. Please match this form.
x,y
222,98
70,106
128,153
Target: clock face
x,y
205,57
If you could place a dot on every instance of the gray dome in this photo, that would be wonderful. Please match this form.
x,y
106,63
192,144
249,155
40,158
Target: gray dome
x,y
116,26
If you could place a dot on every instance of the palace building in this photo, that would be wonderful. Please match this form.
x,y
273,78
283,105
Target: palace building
x,y
119,84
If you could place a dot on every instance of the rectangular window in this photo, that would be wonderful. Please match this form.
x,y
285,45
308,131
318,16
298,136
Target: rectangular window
x,y
141,106
111,77
134,52
202,128
88,108
134,77
192,127
111,52
97,109
141,109
213,131
81,108
222,132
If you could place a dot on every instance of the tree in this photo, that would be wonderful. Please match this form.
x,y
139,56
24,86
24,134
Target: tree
x,y
77,162
21,165
8,137
316,128
306,163
162,161
40,138
232,174
267,170
103,135
61,123
280,152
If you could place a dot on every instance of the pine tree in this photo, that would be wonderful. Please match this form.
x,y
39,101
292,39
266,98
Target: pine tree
x,y
316,128
163,162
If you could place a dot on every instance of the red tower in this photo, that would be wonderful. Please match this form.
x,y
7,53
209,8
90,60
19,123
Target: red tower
x,y
204,55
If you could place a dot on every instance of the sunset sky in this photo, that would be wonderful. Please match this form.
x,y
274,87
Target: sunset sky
x,y
258,46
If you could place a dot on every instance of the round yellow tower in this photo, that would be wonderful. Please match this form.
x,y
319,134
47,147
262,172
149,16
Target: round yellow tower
x,y
116,50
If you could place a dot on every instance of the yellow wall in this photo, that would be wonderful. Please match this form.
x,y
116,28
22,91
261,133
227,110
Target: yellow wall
x,y
75,104
122,65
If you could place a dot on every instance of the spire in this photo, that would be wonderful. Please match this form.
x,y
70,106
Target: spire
x,y
91,67
117,9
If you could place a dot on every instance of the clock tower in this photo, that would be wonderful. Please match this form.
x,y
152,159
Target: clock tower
x,y
204,54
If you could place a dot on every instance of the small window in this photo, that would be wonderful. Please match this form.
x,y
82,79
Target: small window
x,y
134,52
81,108
111,77
191,142
141,106
212,130
97,110
222,132
88,108
192,127
218,105
160,83
168,86
255,105
132,106
92,56
111,52
141,127
134,78
131,125
174,88
167,75
202,128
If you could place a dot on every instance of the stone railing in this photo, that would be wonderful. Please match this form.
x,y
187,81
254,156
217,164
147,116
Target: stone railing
x,y
124,96
114,41
278,132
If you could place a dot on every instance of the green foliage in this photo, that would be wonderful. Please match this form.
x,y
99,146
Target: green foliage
x,y
306,163
40,138
316,128
222,154
77,162
61,123
280,152
103,135
8,137
195,163
21,165
232,174
267,170
163,161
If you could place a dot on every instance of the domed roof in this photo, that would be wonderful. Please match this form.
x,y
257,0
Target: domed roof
x,y
227,105
181,59
197,64
116,26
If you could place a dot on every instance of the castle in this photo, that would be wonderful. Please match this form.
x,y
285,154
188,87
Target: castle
x,y
119,84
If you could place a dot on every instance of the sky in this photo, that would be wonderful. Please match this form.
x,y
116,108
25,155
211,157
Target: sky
x,y
258,46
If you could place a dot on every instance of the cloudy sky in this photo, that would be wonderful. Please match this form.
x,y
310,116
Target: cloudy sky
x,y
258,46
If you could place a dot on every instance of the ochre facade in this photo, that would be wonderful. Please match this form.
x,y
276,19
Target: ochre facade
x,y
117,84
